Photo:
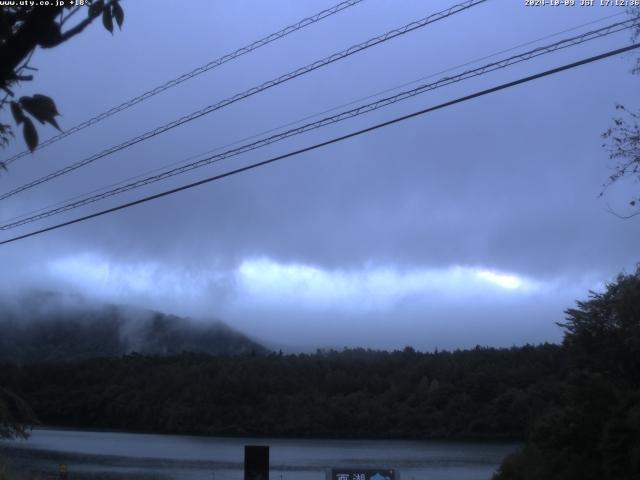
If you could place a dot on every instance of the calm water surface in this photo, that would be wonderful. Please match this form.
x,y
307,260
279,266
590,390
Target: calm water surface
x,y
120,455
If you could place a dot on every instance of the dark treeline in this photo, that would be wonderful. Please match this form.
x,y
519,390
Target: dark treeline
x,y
478,393
575,405
591,428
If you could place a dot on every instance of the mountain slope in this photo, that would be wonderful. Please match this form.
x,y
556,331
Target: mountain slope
x,y
47,326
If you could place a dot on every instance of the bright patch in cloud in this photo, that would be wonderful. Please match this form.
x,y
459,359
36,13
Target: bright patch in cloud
x,y
510,282
158,284
263,280
295,302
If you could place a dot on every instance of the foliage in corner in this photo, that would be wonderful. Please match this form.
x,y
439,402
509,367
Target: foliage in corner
x,y
603,333
16,417
23,29
623,140
623,145
593,430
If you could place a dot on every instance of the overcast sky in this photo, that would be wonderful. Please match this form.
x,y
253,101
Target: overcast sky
x,y
476,224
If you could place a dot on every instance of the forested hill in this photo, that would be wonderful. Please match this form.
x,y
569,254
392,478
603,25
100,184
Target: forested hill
x,y
45,326
479,393
576,405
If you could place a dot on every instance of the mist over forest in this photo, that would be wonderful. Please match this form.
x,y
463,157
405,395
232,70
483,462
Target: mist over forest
x,y
46,326
110,367
373,220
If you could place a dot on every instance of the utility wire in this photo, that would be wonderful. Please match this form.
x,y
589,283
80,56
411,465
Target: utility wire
x,y
308,117
330,142
252,91
515,59
187,76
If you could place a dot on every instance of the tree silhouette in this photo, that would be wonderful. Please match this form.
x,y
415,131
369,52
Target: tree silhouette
x,y
593,431
16,417
623,140
22,30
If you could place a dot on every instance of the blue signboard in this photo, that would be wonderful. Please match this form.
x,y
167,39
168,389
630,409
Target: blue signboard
x,y
362,474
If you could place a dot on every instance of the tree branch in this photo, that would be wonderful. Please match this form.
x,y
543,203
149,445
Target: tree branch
x,y
74,31
17,47
71,14
622,217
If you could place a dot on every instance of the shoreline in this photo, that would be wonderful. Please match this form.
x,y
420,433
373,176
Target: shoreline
x,y
458,440
169,457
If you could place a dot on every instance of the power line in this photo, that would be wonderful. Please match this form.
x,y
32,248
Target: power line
x,y
252,91
308,117
193,73
500,64
334,119
332,141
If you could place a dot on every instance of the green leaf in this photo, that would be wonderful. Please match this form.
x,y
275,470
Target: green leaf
x,y
42,108
118,13
16,111
107,21
30,134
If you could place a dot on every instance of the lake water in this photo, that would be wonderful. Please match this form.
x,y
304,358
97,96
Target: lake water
x,y
128,455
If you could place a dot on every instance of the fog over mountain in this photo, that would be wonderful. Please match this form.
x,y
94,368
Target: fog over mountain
x,y
48,326
475,224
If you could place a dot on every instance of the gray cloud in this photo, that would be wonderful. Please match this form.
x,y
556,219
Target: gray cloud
x,y
505,183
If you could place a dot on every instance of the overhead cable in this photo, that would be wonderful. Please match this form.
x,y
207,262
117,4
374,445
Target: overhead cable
x,y
308,117
328,142
193,73
252,91
384,102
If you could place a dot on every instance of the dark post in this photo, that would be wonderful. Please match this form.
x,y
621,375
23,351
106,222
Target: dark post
x,y
256,462
63,472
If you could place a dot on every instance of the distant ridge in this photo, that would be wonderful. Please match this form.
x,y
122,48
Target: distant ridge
x,y
45,326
